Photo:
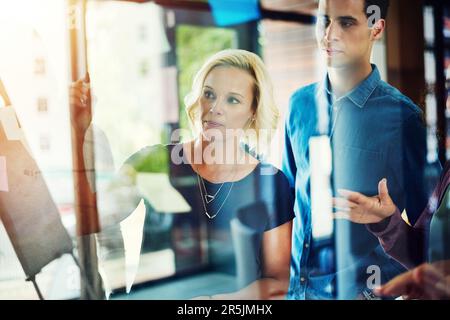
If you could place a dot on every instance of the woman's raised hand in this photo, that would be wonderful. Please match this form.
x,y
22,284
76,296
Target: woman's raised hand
x,y
80,103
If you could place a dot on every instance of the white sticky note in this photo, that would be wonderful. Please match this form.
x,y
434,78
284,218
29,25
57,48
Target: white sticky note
x,y
10,124
132,232
3,175
8,120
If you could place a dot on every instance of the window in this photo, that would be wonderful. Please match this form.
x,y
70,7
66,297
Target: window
x,y
141,104
39,66
437,66
44,142
144,68
194,44
23,63
142,31
42,105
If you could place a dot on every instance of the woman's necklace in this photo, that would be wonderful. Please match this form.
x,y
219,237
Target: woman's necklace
x,y
207,198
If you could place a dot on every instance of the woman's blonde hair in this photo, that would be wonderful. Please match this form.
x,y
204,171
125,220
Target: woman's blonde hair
x,y
266,112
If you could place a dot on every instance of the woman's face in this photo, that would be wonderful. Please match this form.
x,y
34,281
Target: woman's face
x,y
226,102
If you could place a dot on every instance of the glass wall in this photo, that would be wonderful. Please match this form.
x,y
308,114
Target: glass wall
x,y
166,232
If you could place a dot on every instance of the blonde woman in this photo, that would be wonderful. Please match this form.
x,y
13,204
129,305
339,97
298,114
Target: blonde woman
x,y
243,207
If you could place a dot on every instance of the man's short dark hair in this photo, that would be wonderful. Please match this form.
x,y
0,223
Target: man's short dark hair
x,y
382,4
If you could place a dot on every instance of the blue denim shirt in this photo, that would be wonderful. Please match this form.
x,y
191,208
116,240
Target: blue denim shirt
x,y
375,132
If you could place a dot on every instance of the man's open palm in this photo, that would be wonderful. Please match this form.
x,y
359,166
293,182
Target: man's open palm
x,y
359,208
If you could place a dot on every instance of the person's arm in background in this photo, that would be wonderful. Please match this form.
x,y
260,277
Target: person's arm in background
x,y
117,198
277,243
121,196
412,158
404,243
408,162
276,253
394,233
288,161
427,282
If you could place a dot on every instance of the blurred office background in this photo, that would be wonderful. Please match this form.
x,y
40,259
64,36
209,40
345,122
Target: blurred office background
x,y
142,56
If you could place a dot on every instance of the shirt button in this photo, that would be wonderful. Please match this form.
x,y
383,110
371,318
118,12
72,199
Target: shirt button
x,y
302,279
307,246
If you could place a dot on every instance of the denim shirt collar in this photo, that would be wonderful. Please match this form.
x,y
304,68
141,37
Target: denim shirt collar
x,y
360,94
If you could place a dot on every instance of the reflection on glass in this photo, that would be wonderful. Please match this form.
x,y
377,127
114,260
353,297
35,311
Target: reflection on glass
x,y
126,41
34,65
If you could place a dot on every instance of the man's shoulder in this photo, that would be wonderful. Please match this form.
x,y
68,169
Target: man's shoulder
x,y
302,98
398,99
304,92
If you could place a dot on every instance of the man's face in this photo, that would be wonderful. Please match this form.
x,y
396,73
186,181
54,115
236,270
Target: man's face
x,y
342,32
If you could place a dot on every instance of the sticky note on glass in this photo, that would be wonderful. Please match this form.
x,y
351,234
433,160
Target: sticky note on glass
x,y
8,120
3,175
233,12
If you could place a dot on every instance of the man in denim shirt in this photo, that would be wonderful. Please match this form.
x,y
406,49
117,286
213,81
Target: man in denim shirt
x,y
375,132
